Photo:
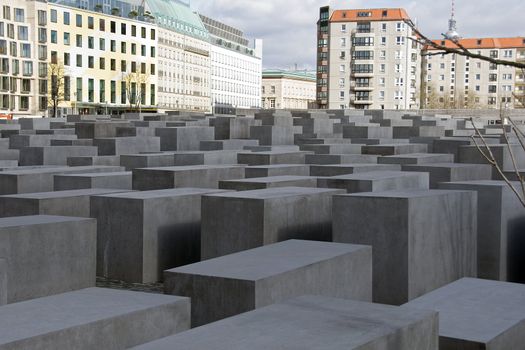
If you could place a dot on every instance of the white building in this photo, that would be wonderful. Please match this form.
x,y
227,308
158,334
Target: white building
x,y
235,68
288,90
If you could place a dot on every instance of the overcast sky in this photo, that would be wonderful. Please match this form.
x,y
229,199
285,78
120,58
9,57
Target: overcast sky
x,y
288,27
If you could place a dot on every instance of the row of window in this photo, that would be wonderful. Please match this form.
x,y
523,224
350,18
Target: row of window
x,y
27,67
102,63
18,14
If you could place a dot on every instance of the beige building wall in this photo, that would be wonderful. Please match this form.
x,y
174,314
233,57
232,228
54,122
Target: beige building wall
x,y
23,53
98,53
287,92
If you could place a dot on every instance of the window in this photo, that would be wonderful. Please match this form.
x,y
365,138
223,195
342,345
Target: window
x,y
27,68
152,34
101,25
113,27
341,82
42,18
382,54
53,36
79,40
91,42
91,22
507,53
102,91
26,86
400,82
400,40
123,28
53,16
442,77
123,92
7,12
363,55
123,47
342,68
24,103
382,81
143,32
399,68
133,49
25,50
152,69
494,53
133,67
152,51
363,41
343,42
91,90
341,95
42,52
22,33
362,68
143,50
113,46
383,40
66,18
123,65
66,59
382,68
19,15
272,89
493,77
67,88
113,64
133,30
113,91
91,62
102,63
493,89
400,26
79,20
102,44
42,35
343,28
143,68
79,89
79,60
383,27
152,94
3,47
66,38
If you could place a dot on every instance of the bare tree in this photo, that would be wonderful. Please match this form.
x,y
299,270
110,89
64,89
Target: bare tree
x,y
135,83
56,74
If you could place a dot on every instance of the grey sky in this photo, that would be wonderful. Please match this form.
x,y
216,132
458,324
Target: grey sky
x,y
288,26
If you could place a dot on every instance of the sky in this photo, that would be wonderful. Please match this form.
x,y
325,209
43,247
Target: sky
x,y
288,27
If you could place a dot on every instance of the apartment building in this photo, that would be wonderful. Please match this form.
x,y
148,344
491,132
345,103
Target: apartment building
x,y
184,57
366,59
236,68
109,61
288,89
456,81
23,57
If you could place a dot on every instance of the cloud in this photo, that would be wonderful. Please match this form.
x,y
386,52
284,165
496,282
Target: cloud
x,y
288,27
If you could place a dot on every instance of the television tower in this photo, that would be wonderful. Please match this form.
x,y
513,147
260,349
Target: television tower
x,y
452,33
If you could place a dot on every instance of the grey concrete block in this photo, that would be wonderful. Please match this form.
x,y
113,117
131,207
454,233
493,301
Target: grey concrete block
x,y
343,169
393,149
62,203
320,159
232,144
140,234
367,132
21,141
126,145
417,159
205,157
421,239
259,183
94,160
146,160
501,221
92,318
53,155
376,181
313,322
115,180
237,221
451,172
184,138
47,255
234,127
266,275
271,158
337,148
272,135
477,314
277,170
99,129
202,176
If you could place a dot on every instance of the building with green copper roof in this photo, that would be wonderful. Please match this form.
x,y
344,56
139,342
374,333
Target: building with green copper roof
x,y
278,73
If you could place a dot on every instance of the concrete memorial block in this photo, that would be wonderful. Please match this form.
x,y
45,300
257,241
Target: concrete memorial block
x,y
394,149
452,144
421,239
278,118
313,322
272,135
147,160
269,148
127,145
98,129
321,124
53,155
81,142
234,127
343,169
233,144
34,123
9,154
21,141
236,221
202,176
116,180
320,159
47,255
41,179
7,164
471,154
501,221
272,157
451,172
405,132
367,132
259,183
141,234
276,170
94,160
74,203
184,138
338,148
240,282
376,181
417,158
92,318
477,314
205,157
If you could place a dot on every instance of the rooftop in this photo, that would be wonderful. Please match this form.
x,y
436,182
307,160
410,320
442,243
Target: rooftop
x,y
278,73
484,43
379,14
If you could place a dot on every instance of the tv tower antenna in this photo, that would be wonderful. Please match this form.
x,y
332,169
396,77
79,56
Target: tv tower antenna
x,y
452,33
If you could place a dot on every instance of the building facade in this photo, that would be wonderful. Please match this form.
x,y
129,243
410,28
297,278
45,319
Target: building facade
x,y
109,62
184,57
23,57
236,68
288,90
456,81
367,59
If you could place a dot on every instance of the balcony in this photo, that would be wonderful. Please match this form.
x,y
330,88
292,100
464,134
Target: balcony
x,y
361,87
362,74
363,30
361,100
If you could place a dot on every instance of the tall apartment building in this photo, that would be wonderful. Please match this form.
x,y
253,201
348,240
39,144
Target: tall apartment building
x,y
455,81
184,57
288,89
366,59
23,54
109,60
235,68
